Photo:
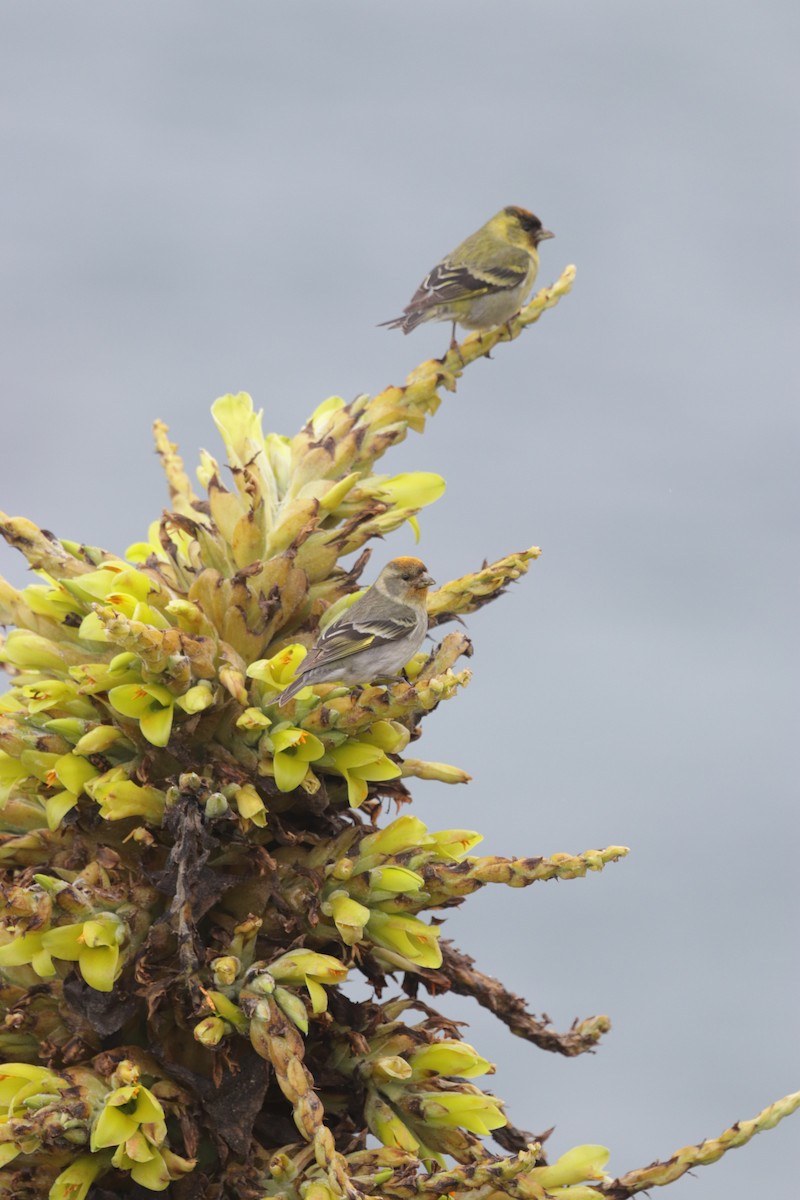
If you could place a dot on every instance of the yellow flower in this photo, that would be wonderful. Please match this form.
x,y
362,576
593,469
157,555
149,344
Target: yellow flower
x,y
406,937
31,652
18,1081
448,1057
360,764
75,1180
56,693
349,916
311,969
463,1109
27,948
139,552
454,843
399,835
151,704
404,495
253,720
99,677
119,797
276,673
293,750
392,880
114,583
12,772
94,945
155,1172
124,1111
197,698
250,805
390,736
73,772
577,1165
51,600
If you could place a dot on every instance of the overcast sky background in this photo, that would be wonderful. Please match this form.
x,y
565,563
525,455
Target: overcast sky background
x,y
200,198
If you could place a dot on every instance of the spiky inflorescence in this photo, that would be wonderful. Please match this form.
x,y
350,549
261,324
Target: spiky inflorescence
x,y
191,872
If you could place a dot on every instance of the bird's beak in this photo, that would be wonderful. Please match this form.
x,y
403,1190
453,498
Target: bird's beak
x,y
543,235
425,581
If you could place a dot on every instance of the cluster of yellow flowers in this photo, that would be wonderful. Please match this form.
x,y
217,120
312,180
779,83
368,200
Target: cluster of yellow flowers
x,y
190,865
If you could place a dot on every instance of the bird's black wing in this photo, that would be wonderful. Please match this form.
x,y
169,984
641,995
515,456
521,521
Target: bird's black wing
x,y
447,283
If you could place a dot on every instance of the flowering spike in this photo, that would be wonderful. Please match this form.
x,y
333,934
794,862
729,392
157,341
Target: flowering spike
x,y
191,867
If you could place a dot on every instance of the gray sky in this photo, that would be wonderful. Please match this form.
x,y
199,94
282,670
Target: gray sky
x,y
200,198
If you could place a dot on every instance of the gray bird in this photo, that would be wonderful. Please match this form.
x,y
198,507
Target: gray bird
x,y
376,636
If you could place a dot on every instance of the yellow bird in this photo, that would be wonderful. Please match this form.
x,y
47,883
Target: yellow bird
x,y
485,280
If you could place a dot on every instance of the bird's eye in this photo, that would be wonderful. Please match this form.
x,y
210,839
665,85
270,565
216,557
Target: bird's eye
x,y
406,575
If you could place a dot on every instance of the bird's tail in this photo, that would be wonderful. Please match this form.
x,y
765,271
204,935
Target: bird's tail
x,y
408,321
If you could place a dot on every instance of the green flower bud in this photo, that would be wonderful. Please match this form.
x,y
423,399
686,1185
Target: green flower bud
x,y
230,1012
389,1067
342,869
98,740
292,1007
211,1030
442,772
259,981
253,719
216,806
30,652
226,970
386,1126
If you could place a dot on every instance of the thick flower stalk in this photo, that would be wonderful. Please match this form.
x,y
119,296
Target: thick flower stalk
x,y
192,873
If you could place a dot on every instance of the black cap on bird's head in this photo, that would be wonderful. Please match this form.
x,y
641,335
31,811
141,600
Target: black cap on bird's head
x,y
529,223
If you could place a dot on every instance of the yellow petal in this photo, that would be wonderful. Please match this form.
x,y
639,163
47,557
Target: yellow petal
x,y
157,726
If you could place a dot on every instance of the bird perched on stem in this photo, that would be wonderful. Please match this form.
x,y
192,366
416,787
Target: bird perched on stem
x,y
485,280
376,636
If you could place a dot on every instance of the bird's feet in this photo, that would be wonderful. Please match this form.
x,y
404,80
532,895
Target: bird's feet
x,y
454,346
